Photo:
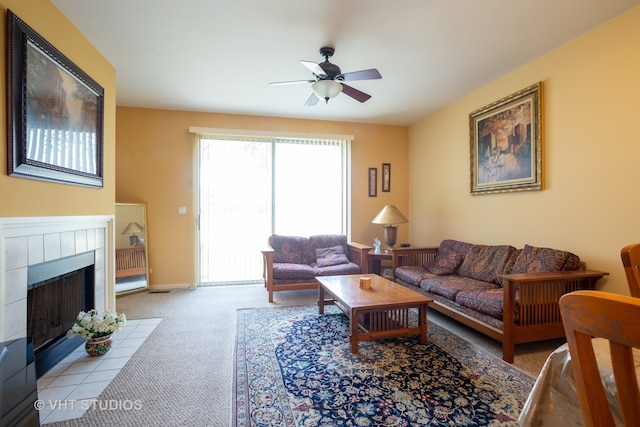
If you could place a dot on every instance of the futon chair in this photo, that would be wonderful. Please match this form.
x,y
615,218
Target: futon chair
x,y
593,314
631,260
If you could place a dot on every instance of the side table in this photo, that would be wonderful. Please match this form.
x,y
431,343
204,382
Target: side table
x,y
374,261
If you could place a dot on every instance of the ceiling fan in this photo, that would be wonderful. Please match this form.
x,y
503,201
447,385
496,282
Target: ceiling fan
x,y
328,80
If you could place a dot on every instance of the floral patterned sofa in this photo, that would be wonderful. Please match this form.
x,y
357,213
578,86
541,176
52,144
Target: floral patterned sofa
x,y
506,293
293,262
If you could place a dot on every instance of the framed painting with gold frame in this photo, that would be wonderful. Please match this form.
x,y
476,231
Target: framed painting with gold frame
x,y
506,143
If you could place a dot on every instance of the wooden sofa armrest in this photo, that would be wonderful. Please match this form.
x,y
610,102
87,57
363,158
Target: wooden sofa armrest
x,y
267,267
357,253
538,289
412,256
538,301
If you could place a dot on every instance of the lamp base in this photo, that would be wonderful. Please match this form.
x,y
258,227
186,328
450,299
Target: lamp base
x,y
390,236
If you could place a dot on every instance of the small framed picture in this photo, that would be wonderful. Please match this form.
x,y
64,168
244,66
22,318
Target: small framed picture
x,y
386,177
373,182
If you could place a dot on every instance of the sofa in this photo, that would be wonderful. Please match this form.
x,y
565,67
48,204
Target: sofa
x,y
293,262
508,294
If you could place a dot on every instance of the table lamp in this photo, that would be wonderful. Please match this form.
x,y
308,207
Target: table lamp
x,y
133,229
388,216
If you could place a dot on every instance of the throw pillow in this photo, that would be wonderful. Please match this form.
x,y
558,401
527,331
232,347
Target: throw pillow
x,y
486,262
535,259
331,256
446,262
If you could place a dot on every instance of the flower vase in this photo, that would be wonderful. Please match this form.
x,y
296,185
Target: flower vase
x,y
98,346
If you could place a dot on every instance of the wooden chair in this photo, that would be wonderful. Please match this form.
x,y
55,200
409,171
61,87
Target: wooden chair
x,y
588,314
630,255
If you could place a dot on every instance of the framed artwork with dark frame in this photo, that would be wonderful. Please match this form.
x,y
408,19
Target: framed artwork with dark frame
x,y
55,112
386,177
506,143
373,182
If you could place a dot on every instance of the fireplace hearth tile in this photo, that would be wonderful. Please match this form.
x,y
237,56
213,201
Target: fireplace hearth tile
x,y
71,379
98,373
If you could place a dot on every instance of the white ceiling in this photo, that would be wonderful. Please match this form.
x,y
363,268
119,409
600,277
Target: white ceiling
x,y
219,56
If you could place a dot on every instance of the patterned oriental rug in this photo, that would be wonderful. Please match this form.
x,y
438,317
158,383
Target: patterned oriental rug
x,y
293,367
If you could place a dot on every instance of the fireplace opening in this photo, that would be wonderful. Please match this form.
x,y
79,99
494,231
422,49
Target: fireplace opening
x,y
56,292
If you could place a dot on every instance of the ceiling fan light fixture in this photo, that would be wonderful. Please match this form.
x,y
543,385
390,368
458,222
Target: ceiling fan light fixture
x,y
326,89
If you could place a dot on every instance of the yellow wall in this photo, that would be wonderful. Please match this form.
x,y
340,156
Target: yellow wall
x,y
592,148
590,204
155,162
26,197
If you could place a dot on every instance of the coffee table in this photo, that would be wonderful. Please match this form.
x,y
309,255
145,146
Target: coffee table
x,y
380,312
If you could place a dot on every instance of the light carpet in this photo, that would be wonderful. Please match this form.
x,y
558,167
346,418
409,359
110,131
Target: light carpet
x,y
293,367
183,372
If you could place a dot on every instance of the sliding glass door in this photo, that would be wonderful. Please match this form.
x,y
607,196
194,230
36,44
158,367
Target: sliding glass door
x,y
249,188
235,210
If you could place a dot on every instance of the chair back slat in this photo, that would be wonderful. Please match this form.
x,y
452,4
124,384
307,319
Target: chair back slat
x,y
589,314
630,255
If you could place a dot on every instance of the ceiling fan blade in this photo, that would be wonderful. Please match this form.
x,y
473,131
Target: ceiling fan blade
x,y
355,93
313,100
314,67
292,82
369,74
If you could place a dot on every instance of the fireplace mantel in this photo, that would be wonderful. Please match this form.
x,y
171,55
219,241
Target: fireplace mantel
x,y
26,241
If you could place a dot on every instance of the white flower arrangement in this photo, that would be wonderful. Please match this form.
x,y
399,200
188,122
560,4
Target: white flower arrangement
x,y
95,324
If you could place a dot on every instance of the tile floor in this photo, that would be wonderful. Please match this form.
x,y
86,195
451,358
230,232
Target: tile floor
x,y
73,385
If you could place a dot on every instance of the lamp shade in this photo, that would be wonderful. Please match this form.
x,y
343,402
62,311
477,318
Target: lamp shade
x,y
390,215
132,228
326,89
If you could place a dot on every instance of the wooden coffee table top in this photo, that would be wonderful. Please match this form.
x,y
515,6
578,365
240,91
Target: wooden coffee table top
x,y
382,294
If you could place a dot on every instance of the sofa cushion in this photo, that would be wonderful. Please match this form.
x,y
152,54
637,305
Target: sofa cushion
x,y
485,263
326,241
340,269
449,286
412,274
489,302
331,256
290,249
508,267
293,271
458,246
447,261
535,259
473,314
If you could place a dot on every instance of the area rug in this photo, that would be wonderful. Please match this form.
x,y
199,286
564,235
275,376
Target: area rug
x,y
293,367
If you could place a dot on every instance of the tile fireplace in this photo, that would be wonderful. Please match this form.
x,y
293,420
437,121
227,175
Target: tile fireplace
x,y
32,241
